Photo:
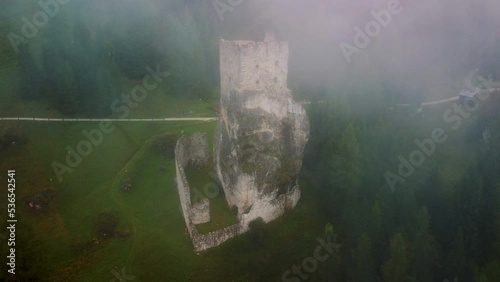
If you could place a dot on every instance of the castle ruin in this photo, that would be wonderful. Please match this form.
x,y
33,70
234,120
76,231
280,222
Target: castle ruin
x,y
261,136
262,131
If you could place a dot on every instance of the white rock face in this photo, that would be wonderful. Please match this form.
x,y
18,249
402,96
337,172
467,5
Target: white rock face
x,y
262,132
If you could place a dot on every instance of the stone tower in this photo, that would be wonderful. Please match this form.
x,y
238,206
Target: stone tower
x,y
257,66
262,132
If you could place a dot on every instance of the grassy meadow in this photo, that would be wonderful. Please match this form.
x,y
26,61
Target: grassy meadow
x,y
60,243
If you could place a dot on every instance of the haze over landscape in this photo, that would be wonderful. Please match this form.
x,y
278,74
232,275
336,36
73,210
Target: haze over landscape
x,y
233,140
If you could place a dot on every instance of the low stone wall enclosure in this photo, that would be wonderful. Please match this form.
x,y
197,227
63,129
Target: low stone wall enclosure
x,y
194,150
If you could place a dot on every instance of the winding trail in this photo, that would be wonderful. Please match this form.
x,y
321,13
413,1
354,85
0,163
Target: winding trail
x,y
454,98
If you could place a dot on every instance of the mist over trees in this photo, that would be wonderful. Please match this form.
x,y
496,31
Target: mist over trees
x,y
79,59
120,38
440,223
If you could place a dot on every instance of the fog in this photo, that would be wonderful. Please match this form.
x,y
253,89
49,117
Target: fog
x,y
425,50
96,96
430,43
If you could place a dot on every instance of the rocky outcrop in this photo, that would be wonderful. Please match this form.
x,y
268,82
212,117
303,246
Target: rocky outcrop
x,y
262,132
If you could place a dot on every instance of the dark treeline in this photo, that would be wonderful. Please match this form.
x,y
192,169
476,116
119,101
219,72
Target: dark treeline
x,y
442,222
79,60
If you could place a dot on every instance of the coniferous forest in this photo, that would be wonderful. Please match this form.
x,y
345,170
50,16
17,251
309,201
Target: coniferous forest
x,y
410,190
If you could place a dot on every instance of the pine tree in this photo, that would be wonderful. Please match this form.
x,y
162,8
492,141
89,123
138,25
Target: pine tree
x,y
365,269
458,263
491,271
30,75
396,267
185,54
423,249
68,98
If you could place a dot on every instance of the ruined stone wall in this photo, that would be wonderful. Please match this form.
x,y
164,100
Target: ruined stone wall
x,y
229,67
200,212
280,107
258,66
182,184
204,242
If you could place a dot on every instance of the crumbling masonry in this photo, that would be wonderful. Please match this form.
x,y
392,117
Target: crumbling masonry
x,y
260,139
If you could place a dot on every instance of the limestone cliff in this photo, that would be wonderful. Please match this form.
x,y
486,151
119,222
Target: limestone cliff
x,y
262,132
